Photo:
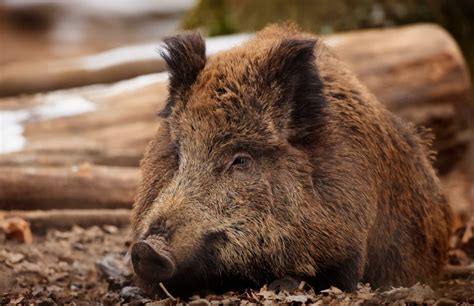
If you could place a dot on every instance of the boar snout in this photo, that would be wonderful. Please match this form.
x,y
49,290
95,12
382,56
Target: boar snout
x,y
151,260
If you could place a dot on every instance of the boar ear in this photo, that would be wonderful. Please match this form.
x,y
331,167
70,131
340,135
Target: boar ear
x,y
185,57
291,65
287,59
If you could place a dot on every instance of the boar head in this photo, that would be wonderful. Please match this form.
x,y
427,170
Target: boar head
x,y
227,197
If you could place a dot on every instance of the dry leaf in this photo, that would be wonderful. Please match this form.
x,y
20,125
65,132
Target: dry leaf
x,y
17,229
332,290
417,293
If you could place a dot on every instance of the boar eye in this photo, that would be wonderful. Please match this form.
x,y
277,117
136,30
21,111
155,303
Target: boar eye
x,y
240,161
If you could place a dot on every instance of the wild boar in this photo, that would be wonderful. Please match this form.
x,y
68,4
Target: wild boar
x,y
272,160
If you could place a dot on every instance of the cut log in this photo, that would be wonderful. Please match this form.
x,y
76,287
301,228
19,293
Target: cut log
x,y
83,187
105,67
64,219
406,67
108,125
18,78
100,187
422,59
417,71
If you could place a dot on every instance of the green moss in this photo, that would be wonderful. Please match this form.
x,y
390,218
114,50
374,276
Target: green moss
x,y
219,17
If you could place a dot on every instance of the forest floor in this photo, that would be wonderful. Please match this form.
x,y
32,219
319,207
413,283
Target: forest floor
x,y
81,266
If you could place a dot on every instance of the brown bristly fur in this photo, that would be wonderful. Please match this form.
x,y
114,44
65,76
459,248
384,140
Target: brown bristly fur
x,y
334,189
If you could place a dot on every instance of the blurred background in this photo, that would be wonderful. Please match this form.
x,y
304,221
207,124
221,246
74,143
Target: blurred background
x,y
37,29
325,16
41,29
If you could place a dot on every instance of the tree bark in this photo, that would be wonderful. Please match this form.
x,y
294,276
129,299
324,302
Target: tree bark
x,y
80,168
416,71
83,187
419,73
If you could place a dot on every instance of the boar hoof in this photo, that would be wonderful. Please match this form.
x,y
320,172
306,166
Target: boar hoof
x,y
152,262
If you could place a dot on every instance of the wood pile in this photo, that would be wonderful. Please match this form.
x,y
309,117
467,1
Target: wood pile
x,y
71,155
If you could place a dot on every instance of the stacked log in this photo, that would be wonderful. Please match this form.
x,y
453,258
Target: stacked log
x,y
419,73
84,186
87,159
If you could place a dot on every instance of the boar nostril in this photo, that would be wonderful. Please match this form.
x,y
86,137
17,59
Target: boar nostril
x,y
151,261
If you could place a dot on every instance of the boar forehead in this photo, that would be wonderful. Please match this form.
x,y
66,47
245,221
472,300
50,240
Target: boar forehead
x,y
217,129
233,100
229,102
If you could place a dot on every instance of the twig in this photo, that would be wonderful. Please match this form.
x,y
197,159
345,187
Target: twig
x,y
166,292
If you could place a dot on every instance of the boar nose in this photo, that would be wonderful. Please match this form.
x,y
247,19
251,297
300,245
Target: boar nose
x,y
151,261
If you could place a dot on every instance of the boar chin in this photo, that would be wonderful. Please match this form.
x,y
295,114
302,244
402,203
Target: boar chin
x,y
186,285
190,279
154,263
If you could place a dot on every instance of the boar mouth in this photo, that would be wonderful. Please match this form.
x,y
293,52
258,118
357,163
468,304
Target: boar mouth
x,y
153,263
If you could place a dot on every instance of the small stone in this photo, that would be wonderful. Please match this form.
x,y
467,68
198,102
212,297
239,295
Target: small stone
x,y
114,268
131,293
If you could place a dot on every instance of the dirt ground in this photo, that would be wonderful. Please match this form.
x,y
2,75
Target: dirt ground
x,y
82,266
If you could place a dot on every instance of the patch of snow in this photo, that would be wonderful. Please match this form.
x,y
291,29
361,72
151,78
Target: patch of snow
x,y
59,104
54,106
219,43
119,56
11,135
148,52
136,83
332,41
